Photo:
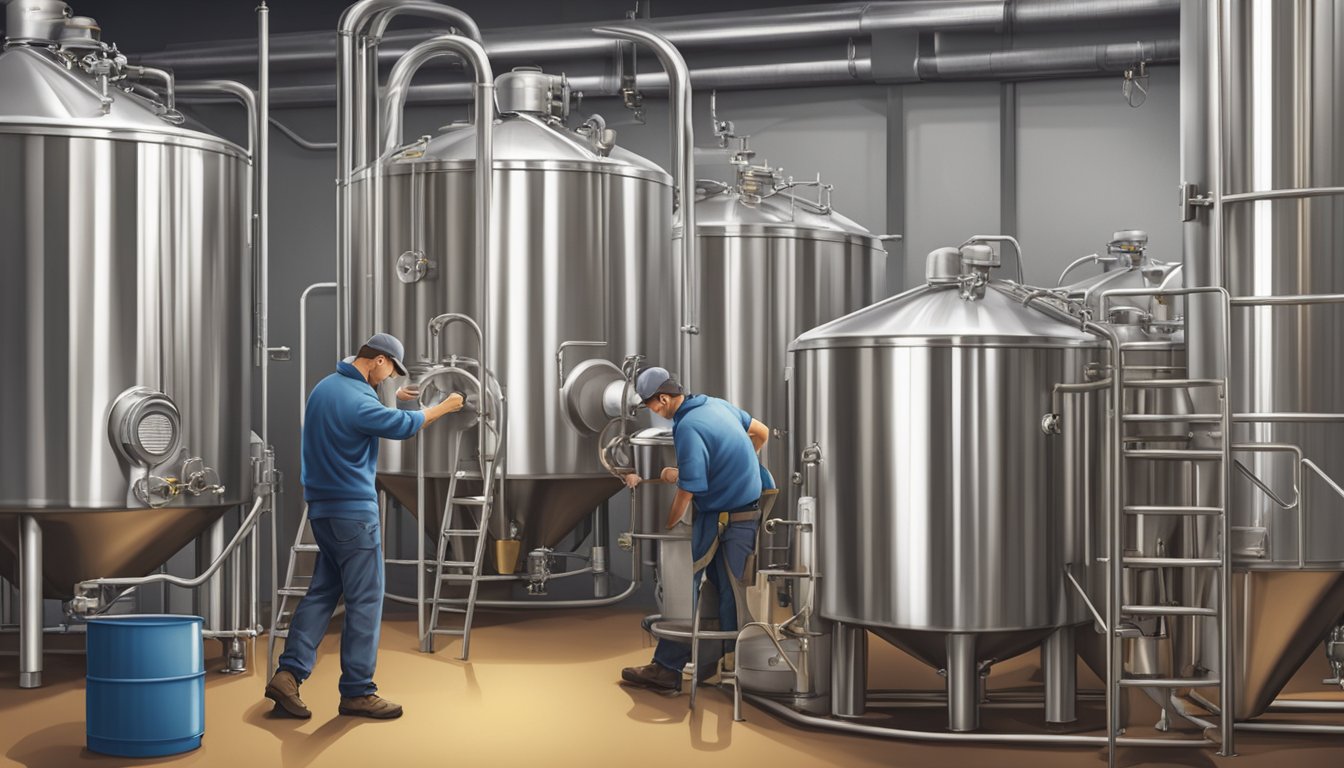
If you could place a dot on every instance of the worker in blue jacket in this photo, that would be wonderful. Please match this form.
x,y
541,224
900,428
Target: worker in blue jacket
x,y
342,425
719,470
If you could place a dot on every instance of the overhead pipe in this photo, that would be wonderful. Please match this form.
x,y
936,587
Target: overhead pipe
x,y
683,176
791,27
1025,65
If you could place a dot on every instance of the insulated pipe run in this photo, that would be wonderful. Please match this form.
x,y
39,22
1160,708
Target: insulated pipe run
x,y
1046,62
683,174
791,27
782,74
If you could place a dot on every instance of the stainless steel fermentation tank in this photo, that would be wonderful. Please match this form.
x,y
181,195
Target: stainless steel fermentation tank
x,y
1263,145
126,264
580,270
1158,323
128,300
773,263
944,520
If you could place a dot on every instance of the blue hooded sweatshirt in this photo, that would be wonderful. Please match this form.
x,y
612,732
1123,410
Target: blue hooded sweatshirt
x,y
716,462
341,428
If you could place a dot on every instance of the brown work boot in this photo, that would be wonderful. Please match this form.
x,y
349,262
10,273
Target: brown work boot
x,y
372,705
654,677
283,689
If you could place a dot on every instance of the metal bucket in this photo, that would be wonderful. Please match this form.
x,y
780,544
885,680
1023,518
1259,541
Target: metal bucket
x,y
145,692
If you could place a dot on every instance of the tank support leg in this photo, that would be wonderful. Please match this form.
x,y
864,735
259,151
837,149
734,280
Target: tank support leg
x,y
849,670
30,602
963,684
1060,663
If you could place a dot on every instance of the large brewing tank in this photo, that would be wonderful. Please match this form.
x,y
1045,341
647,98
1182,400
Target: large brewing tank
x,y
1158,323
580,269
776,259
944,524
126,303
1281,132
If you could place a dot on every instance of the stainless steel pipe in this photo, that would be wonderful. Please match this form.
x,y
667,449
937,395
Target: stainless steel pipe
x,y
30,602
356,98
156,578
790,27
683,174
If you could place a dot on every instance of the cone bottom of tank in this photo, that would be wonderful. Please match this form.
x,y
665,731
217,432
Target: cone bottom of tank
x,y
1279,621
930,647
78,545
546,509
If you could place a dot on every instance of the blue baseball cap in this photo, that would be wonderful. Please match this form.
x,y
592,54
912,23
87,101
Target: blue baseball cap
x,y
656,381
390,346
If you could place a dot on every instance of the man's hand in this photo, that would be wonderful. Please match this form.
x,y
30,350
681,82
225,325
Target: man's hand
x,y
631,481
670,475
406,393
451,404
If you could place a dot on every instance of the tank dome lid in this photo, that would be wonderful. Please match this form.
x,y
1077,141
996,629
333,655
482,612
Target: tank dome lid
x,y
722,210
525,141
42,96
938,316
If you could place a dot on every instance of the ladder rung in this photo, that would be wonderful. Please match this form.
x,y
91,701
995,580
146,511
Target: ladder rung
x,y
1172,510
1171,418
1174,454
1170,682
305,547
469,501
292,591
1172,562
1167,610
279,633
462,532
1171,383
457,577
457,564
446,605
454,632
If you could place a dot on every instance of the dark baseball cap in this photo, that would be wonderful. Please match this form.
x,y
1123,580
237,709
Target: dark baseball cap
x,y
390,346
656,381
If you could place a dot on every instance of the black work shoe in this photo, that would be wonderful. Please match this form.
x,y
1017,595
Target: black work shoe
x,y
372,705
654,677
283,689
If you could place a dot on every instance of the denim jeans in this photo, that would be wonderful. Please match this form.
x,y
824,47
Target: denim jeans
x,y
735,544
350,565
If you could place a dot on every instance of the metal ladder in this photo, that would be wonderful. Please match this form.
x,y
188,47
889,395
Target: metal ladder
x,y
1121,617
469,571
296,586
490,424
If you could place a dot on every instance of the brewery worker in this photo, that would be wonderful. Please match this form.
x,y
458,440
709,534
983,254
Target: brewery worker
x,y
719,470
342,425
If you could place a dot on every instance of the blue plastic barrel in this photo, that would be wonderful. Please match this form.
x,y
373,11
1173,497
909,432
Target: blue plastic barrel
x,y
145,689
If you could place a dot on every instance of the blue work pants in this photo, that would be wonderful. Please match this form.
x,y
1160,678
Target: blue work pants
x,y
350,565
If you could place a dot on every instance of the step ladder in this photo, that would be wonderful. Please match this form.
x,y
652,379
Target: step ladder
x,y
464,518
298,575
1122,619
